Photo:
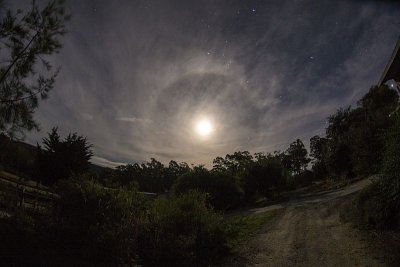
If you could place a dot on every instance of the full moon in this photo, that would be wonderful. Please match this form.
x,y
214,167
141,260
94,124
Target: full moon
x,y
204,128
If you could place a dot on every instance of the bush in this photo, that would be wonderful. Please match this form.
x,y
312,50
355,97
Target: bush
x,y
95,226
222,189
389,181
99,224
182,231
264,179
366,210
121,227
304,178
378,205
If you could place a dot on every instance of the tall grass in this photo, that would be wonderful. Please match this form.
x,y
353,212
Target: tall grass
x,y
117,227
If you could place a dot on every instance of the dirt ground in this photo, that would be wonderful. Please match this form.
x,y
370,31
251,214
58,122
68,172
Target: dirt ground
x,y
309,232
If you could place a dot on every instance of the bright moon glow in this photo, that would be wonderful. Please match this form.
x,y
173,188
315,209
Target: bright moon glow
x,y
204,128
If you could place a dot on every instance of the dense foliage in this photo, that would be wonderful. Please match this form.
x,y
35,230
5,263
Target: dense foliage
x,y
98,223
183,231
379,205
223,189
152,176
390,174
374,149
26,39
354,141
67,157
91,225
265,177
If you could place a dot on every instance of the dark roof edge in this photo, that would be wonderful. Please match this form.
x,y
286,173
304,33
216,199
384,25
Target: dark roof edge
x,y
395,51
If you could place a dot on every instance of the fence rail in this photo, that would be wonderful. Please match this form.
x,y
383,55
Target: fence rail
x,y
18,194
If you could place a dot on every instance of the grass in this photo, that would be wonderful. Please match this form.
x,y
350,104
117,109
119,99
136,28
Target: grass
x,y
246,226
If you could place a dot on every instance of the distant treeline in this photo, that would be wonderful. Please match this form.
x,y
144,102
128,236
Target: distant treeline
x,y
352,147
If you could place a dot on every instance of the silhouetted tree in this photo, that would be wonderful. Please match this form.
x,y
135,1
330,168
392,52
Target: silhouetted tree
x,y
318,151
151,176
26,38
369,126
175,170
264,177
297,154
61,158
234,164
284,158
354,138
222,188
338,160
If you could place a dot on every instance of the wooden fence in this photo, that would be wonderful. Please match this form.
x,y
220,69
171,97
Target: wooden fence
x,y
19,194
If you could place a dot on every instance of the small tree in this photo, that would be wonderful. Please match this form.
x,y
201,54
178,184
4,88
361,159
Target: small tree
x,y
26,38
59,159
298,156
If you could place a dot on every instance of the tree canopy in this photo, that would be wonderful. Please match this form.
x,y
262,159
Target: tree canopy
x,y
61,158
297,154
27,39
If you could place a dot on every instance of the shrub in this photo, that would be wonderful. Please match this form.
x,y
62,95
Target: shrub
x,y
390,175
223,189
95,226
378,205
366,209
304,178
182,231
99,224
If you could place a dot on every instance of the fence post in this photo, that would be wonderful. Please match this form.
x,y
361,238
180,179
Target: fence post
x,y
21,197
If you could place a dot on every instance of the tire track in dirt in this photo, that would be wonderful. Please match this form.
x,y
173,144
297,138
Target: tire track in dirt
x,y
309,233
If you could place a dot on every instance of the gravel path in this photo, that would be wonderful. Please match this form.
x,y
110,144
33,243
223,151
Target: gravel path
x,y
308,232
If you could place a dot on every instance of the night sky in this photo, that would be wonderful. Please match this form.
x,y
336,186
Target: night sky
x,y
137,76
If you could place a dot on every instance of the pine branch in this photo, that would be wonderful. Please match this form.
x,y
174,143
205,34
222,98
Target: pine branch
x,y
3,77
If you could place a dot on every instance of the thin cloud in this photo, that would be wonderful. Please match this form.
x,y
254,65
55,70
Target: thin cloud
x,y
105,162
134,120
171,62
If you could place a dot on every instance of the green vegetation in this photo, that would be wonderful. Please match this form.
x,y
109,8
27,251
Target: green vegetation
x,y
93,225
354,143
184,231
223,189
265,178
27,38
378,205
115,227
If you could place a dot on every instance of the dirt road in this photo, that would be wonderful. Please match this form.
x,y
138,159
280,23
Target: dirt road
x,y
308,232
